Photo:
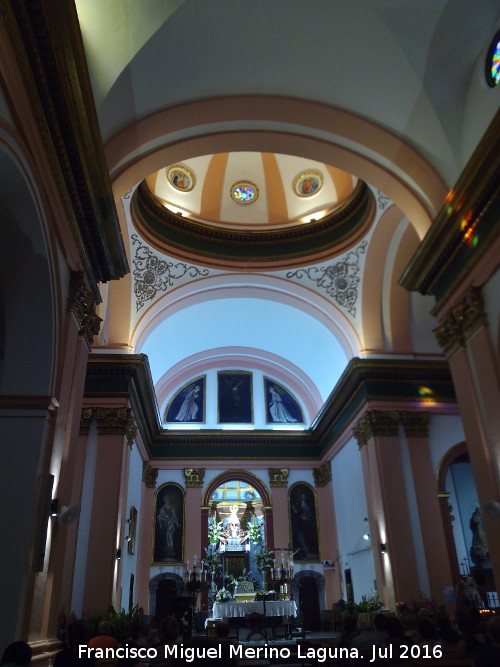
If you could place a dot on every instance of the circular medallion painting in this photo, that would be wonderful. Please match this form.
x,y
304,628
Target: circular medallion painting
x,y
244,192
308,183
181,178
493,62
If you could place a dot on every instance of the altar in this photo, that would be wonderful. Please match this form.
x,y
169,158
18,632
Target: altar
x,y
227,610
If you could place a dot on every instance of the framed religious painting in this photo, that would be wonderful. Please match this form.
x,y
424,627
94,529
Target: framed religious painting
x,y
188,404
132,530
234,397
281,406
168,525
303,516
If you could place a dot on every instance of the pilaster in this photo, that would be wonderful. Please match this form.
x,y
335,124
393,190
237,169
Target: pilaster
x,y
278,481
194,478
145,541
329,546
114,432
377,433
416,428
465,337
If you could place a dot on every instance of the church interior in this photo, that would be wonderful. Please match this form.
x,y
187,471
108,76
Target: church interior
x,y
253,335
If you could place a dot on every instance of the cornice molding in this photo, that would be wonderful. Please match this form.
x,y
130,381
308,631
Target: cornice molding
x,y
322,475
278,477
49,48
149,475
363,381
222,248
462,321
465,227
375,423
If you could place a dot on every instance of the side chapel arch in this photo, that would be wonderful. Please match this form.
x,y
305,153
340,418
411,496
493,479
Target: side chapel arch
x,y
454,453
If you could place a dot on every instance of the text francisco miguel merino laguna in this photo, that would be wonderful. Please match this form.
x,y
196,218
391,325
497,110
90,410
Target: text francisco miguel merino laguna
x,y
265,652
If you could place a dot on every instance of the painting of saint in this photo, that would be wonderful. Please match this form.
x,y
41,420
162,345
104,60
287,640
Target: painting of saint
x,y
180,177
168,524
234,397
303,522
188,404
281,407
308,183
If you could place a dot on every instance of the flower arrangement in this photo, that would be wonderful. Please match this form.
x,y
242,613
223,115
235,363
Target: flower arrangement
x,y
422,607
223,595
212,560
215,530
254,531
263,560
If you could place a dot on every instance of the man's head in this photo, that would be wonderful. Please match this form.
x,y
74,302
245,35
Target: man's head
x,y
104,628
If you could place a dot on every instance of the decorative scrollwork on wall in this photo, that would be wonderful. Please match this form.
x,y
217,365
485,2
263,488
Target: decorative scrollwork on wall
x,y
339,281
152,274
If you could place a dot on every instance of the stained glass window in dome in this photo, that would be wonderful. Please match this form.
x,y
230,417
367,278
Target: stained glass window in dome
x,y
244,192
493,62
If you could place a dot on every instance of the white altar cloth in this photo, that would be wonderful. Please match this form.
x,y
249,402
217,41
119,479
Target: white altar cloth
x,y
226,610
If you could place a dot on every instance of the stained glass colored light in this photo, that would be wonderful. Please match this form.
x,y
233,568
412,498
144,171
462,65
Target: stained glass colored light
x,y
493,62
244,193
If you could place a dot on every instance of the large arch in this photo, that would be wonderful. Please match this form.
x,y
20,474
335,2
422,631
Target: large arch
x,y
28,330
212,126
252,286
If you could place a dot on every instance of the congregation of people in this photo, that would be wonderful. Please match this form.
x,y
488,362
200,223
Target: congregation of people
x,y
470,636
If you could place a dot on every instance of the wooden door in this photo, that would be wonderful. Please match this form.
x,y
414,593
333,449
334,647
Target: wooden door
x,y
309,604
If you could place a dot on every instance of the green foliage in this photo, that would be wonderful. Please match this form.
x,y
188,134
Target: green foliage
x,y
263,560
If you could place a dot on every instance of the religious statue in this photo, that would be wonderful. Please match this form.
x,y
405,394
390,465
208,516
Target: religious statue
x,y
479,548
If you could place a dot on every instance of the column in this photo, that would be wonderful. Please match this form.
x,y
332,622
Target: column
x,y
377,433
416,427
116,430
329,546
466,340
145,538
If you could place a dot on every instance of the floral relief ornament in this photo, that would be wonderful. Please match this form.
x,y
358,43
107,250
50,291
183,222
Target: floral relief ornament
x,y
153,274
340,280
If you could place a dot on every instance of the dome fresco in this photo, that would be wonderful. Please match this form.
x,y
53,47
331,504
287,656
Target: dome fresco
x,y
283,190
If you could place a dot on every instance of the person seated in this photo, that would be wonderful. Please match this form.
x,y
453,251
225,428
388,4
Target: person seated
x,y
349,631
445,629
137,637
489,654
17,654
428,632
472,637
410,625
395,633
103,639
76,635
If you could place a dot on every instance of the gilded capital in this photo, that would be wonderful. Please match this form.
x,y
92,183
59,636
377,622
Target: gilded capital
x,y
416,424
322,475
120,421
376,423
278,477
194,477
85,420
462,321
82,303
149,475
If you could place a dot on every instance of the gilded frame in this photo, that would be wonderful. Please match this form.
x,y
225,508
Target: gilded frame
x,y
169,525
303,523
